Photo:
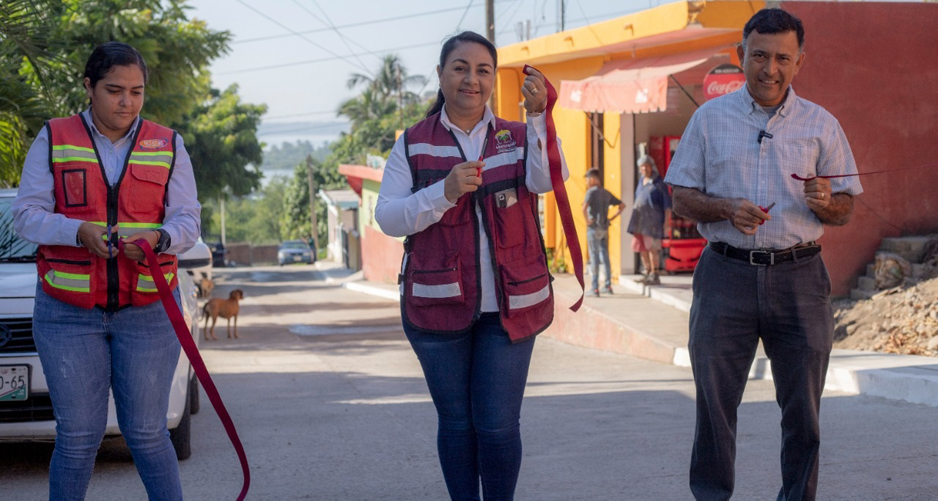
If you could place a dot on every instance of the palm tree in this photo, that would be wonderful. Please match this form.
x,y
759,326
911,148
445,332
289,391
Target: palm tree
x,y
391,80
24,43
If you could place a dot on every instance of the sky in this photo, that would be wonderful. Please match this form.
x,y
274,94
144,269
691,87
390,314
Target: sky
x,y
296,56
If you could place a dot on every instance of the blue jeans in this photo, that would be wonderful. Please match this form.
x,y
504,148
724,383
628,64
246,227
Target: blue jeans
x,y
477,383
598,241
84,353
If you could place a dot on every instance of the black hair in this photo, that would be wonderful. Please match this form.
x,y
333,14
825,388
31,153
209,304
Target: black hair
x,y
772,21
594,173
448,47
110,54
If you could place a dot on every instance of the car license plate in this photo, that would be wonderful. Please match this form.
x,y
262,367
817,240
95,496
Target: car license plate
x,y
14,383
297,258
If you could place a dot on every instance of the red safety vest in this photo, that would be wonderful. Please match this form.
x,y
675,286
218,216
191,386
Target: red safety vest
x,y
440,272
133,204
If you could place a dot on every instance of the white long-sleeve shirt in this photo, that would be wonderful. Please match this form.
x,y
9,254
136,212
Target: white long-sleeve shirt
x,y
34,216
401,212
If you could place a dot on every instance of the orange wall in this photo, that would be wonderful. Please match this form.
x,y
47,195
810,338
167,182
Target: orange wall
x,y
381,256
871,66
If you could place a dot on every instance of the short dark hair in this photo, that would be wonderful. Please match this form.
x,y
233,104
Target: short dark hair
x,y
594,173
110,54
449,46
772,21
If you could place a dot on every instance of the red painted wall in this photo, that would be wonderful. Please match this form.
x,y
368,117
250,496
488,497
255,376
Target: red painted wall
x,y
872,66
381,256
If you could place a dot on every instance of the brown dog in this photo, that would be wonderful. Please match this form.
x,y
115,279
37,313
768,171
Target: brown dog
x,y
225,308
205,287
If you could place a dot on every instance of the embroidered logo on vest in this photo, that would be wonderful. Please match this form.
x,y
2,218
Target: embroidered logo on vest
x,y
504,142
153,144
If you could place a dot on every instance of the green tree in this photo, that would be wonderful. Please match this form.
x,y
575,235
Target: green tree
x,y
294,220
44,45
25,30
221,138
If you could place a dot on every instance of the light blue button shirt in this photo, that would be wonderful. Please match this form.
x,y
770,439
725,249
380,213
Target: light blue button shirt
x,y
34,216
720,155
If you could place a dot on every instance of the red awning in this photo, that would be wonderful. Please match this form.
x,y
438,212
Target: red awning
x,y
630,86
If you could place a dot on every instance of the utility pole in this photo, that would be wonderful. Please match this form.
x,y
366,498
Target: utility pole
x,y
221,203
560,14
490,34
312,201
490,20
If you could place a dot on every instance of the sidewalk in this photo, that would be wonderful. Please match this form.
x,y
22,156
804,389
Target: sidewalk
x,y
650,322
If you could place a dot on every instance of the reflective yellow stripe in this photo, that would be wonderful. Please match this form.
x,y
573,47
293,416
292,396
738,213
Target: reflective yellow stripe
x,y
158,164
71,147
145,282
74,282
126,230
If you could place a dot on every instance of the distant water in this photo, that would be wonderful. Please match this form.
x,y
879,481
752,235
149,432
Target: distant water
x,y
279,139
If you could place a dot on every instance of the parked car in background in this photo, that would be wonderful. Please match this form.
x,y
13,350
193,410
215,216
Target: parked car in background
x,y
295,251
25,407
219,255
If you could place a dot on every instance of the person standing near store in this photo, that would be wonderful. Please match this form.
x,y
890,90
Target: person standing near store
x,y
761,281
98,325
596,203
462,186
650,218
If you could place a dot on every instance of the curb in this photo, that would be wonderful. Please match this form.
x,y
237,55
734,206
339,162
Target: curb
x,y
907,378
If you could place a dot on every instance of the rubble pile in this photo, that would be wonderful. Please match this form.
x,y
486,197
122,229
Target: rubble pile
x,y
901,319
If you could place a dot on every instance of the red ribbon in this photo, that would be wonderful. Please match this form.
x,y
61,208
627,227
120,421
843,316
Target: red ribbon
x,y
560,191
796,176
192,351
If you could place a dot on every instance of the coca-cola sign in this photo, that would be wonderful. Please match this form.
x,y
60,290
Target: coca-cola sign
x,y
723,79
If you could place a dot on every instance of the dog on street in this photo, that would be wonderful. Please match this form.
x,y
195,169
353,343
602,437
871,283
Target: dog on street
x,y
225,308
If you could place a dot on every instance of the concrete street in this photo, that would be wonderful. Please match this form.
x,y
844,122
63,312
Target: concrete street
x,y
331,404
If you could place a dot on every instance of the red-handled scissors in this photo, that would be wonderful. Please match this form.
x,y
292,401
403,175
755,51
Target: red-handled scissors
x,y
766,210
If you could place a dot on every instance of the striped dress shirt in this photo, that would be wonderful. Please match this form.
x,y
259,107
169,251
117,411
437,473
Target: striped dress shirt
x,y
720,154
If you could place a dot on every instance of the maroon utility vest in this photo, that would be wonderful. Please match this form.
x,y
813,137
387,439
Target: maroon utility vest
x,y
441,276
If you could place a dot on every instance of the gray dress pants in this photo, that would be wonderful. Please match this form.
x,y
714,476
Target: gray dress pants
x,y
735,305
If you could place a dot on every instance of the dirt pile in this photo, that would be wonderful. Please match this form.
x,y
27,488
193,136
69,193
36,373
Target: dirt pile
x,y
902,319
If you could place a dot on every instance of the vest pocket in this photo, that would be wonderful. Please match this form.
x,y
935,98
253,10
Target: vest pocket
x,y
510,224
432,284
69,281
143,288
525,284
458,215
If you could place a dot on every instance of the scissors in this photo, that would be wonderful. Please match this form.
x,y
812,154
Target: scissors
x,y
766,210
485,145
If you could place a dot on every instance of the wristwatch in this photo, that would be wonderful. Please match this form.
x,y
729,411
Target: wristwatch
x,y
163,243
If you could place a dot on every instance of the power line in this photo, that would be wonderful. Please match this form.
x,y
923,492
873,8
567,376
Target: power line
x,y
329,23
320,60
355,25
278,23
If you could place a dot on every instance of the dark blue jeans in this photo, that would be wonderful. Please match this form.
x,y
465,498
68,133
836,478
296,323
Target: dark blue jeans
x,y
477,382
735,305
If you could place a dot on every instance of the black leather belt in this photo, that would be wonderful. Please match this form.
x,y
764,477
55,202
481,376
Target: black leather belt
x,y
767,257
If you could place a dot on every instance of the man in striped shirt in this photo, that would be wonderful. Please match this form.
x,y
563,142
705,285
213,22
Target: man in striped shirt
x,y
761,276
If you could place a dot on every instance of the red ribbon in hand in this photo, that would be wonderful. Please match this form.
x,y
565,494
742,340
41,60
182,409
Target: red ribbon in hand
x,y
560,191
192,352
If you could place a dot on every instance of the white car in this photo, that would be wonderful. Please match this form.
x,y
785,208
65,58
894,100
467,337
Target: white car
x,y
197,261
25,407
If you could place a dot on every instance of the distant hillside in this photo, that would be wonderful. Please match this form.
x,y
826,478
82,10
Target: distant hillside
x,y
297,129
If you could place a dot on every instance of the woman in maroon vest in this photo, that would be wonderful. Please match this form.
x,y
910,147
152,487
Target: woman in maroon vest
x,y
462,186
98,325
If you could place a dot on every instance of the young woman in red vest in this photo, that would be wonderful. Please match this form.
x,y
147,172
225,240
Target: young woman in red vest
x,y
462,186
91,179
